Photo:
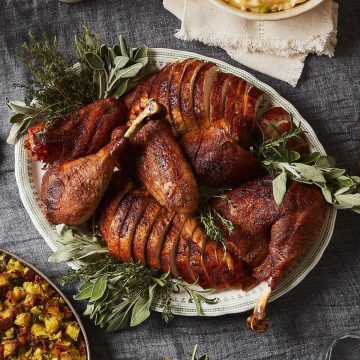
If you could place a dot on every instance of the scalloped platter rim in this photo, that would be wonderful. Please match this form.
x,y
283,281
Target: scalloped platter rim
x,y
28,177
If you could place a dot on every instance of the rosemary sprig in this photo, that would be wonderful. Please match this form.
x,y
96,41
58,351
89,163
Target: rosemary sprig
x,y
338,188
213,222
118,295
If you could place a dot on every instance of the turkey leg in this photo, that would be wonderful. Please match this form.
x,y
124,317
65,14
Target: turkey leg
x,y
257,321
72,190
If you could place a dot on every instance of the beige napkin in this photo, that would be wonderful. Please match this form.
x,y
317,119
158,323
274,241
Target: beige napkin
x,y
275,48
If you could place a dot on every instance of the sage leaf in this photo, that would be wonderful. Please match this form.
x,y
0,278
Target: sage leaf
x,y
123,46
140,52
85,294
117,49
141,310
120,62
327,194
351,199
103,51
15,132
65,253
333,174
112,54
88,310
345,181
21,108
309,172
85,285
279,187
17,118
65,232
129,71
342,191
326,162
311,158
119,322
94,61
99,288
120,88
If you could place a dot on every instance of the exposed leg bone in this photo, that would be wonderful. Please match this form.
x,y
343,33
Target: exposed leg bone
x,y
151,108
257,321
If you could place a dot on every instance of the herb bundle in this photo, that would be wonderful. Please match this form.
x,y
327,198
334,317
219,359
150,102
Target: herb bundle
x,y
58,87
338,188
213,222
118,294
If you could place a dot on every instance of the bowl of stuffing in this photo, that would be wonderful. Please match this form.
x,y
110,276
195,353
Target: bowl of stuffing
x,y
36,320
270,10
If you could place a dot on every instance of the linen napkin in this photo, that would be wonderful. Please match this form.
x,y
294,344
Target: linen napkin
x,y
275,48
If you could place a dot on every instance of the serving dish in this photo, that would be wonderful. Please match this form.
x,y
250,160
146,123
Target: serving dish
x,y
68,303
281,15
28,176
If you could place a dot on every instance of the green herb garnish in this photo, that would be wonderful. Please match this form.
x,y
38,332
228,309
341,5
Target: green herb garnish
x,y
213,222
58,86
338,188
118,295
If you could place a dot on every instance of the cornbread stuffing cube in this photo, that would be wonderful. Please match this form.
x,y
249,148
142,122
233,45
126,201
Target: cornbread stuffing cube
x,y
72,330
39,330
32,288
37,355
5,279
9,333
10,347
23,320
51,324
29,301
19,293
55,311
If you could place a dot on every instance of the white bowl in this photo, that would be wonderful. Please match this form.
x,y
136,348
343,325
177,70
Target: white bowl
x,y
281,15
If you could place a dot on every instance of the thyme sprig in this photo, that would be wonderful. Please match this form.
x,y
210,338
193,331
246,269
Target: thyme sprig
x,y
118,295
338,188
214,223
58,86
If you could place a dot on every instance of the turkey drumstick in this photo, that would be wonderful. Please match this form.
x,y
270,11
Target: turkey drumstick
x,y
71,190
270,237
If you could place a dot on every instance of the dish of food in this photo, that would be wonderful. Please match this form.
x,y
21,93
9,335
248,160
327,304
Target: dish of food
x,y
264,6
169,175
266,10
36,321
29,176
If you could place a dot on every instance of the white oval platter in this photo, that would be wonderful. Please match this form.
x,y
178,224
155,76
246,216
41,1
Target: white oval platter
x,y
280,15
28,176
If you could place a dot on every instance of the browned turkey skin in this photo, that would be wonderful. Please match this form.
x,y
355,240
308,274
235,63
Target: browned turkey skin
x,y
213,115
204,136
81,133
137,228
267,239
159,164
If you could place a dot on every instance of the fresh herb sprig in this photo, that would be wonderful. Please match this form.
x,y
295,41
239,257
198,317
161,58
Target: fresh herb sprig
x,y
118,295
338,188
214,223
114,68
57,86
